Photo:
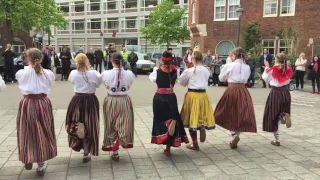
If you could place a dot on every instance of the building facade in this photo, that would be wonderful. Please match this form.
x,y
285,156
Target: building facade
x,y
95,23
214,23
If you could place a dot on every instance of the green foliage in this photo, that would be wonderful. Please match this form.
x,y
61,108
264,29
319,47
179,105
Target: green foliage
x,y
166,25
22,15
251,36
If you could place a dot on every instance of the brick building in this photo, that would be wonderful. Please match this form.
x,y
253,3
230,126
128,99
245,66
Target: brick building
x,y
213,23
20,40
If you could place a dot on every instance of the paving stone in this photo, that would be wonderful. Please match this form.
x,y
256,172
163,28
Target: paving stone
x,y
78,177
284,175
248,165
202,161
124,175
309,176
96,173
234,170
168,172
145,169
56,168
55,176
297,170
192,174
163,164
185,166
272,167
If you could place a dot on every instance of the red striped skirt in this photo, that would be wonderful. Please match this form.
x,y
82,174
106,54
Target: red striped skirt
x,y
83,108
235,110
279,101
35,129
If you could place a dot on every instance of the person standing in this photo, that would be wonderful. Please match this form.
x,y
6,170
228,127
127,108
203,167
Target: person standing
x,y
133,59
188,58
46,62
124,53
208,62
252,65
216,65
54,59
300,70
99,58
65,57
235,110
314,74
167,126
80,51
35,122
196,113
278,105
229,58
9,56
264,57
82,121
105,58
117,108
90,57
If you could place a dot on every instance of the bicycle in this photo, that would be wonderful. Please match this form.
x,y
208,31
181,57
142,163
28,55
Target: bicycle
x,y
257,77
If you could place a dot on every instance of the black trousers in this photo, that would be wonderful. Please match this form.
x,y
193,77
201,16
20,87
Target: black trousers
x,y
299,78
315,81
215,78
263,82
8,73
100,66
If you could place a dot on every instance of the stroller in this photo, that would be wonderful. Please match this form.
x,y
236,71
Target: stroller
x,y
292,85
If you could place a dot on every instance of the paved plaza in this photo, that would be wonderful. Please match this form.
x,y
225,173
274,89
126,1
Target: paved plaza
x,y
297,158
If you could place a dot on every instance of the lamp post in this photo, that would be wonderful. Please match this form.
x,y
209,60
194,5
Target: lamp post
x,y
239,11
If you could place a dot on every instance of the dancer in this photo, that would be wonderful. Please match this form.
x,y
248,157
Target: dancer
x,y
117,108
167,125
235,109
2,84
82,121
196,113
278,104
35,124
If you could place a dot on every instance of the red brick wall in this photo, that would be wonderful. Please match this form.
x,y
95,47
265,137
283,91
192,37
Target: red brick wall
x,y
306,17
4,40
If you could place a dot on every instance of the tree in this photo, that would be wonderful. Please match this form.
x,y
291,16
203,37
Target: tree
x,y
251,36
165,25
22,15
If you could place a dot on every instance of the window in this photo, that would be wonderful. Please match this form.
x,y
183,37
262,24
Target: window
x,y
18,45
94,5
269,44
111,5
224,47
185,1
285,45
131,4
149,3
270,8
79,6
112,23
94,24
176,2
146,20
130,22
64,7
193,12
288,7
233,6
220,9
185,20
78,24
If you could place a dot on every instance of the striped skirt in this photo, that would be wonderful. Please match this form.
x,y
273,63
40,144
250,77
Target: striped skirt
x,y
83,108
35,128
235,110
279,101
118,122
197,111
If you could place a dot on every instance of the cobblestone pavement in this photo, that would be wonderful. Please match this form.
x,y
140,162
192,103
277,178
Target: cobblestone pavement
x,y
297,158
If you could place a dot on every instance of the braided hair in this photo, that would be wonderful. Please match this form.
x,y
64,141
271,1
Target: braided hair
x,y
118,60
239,53
82,65
196,57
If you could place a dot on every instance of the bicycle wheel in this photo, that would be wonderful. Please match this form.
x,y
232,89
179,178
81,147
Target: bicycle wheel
x,y
257,77
292,87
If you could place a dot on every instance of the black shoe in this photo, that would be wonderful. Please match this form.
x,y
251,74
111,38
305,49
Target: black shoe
x,y
264,87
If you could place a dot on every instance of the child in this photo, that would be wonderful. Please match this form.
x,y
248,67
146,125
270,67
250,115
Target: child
x,y
82,122
35,124
117,108
167,126
196,113
2,84
235,109
279,101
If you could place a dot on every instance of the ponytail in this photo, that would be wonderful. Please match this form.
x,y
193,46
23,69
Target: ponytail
x,y
37,66
119,75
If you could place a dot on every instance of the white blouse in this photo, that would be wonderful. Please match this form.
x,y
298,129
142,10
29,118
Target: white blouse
x,y
85,82
153,75
31,83
267,77
195,77
2,84
110,80
235,72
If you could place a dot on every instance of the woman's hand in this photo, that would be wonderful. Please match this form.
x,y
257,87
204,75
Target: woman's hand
x,y
266,63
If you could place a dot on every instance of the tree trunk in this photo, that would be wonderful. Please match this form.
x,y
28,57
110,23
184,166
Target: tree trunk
x,y
10,32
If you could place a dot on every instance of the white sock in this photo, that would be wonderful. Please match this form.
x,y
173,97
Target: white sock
x,y
41,166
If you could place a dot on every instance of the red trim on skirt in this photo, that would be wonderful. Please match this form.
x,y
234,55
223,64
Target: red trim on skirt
x,y
165,91
116,146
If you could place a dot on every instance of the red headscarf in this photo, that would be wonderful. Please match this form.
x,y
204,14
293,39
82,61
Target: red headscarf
x,y
279,75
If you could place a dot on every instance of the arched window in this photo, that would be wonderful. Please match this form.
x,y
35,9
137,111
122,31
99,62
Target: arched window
x,y
18,45
197,45
224,47
193,12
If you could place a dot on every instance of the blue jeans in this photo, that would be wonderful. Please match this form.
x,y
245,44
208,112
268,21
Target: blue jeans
x,y
134,68
251,78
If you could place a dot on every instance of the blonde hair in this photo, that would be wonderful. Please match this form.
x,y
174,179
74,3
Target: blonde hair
x,y
302,54
196,57
35,58
81,62
282,60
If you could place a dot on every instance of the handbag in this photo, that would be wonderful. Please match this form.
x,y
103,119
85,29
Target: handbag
x,y
58,70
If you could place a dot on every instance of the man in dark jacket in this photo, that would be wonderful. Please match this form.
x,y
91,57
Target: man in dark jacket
x,y
252,65
65,57
9,55
264,57
98,54
46,62
133,59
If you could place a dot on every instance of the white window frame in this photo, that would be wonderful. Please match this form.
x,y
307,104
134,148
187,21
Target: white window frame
x,y
193,12
228,12
270,15
215,6
274,45
291,14
291,48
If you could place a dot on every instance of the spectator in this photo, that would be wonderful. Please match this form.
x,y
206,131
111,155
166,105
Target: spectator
x,y
265,57
54,59
252,65
216,64
80,51
175,61
105,58
229,59
314,74
46,62
300,70
188,58
9,55
98,59
133,59
90,57
65,57
207,62
125,56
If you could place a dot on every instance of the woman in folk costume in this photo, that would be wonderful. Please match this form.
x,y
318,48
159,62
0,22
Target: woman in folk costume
x,y
82,121
196,113
167,125
235,109
35,124
117,108
278,104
